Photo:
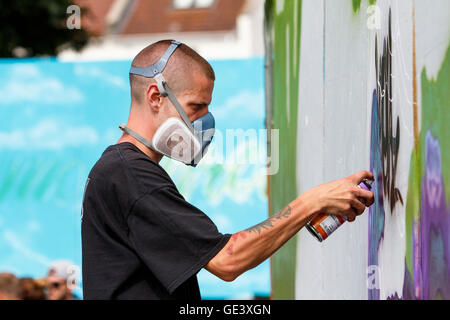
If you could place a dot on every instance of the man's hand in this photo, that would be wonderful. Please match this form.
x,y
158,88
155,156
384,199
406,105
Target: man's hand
x,y
340,197
250,247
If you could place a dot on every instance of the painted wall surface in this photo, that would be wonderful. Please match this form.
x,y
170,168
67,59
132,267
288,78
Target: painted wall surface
x,y
57,119
372,93
283,30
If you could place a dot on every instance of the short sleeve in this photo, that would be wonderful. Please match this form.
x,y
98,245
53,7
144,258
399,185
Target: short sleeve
x,y
173,238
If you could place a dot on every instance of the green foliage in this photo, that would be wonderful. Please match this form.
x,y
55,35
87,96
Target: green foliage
x,y
285,26
38,26
356,4
434,118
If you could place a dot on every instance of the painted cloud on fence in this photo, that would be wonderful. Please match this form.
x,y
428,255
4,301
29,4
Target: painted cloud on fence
x,y
57,119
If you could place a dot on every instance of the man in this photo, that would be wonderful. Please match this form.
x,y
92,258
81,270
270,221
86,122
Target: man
x,y
10,288
60,281
140,238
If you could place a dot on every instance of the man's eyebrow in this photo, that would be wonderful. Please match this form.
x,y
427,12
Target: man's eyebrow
x,y
199,103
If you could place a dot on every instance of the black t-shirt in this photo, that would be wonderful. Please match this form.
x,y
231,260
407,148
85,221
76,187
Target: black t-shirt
x,y
140,238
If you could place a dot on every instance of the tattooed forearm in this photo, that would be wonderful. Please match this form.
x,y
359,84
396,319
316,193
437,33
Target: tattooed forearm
x,y
285,213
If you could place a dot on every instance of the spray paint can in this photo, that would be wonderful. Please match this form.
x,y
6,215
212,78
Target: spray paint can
x,y
325,224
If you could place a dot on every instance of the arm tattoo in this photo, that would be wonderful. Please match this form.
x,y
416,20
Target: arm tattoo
x,y
266,224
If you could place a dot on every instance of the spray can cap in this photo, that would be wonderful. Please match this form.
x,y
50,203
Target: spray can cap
x,y
366,184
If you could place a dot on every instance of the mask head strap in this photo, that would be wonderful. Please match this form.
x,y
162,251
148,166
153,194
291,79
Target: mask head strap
x,y
158,67
137,136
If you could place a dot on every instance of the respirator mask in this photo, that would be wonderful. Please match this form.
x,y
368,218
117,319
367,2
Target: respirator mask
x,y
176,138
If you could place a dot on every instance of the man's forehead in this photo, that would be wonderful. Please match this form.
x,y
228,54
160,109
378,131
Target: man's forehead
x,y
52,277
199,95
199,79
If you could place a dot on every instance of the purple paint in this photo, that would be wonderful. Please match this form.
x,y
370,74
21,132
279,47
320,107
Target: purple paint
x,y
432,234
376,211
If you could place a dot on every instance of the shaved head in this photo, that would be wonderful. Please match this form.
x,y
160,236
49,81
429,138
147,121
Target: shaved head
x,y
180,69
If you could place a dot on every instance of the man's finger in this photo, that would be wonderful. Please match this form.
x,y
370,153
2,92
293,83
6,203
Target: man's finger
x,y
360,176
358,206
349,212
367,196
351,216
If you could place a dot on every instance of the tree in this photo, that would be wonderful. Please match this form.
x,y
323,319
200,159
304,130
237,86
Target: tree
x,y
37,28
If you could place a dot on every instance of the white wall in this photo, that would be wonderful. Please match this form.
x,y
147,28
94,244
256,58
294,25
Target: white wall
x,y
337,79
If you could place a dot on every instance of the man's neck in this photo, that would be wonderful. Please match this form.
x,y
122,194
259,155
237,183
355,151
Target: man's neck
x,y
149,152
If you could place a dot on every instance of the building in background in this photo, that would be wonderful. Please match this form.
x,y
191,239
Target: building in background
x,y
217,29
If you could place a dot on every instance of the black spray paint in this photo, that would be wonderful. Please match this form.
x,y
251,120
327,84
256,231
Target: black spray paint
x,y
390,142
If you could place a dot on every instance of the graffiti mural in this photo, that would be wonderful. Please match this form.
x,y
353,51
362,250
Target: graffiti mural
x,y
369,96
427,209
389,129
385,143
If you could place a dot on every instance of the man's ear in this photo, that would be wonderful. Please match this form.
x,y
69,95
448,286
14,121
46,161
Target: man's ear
x,y
153,97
